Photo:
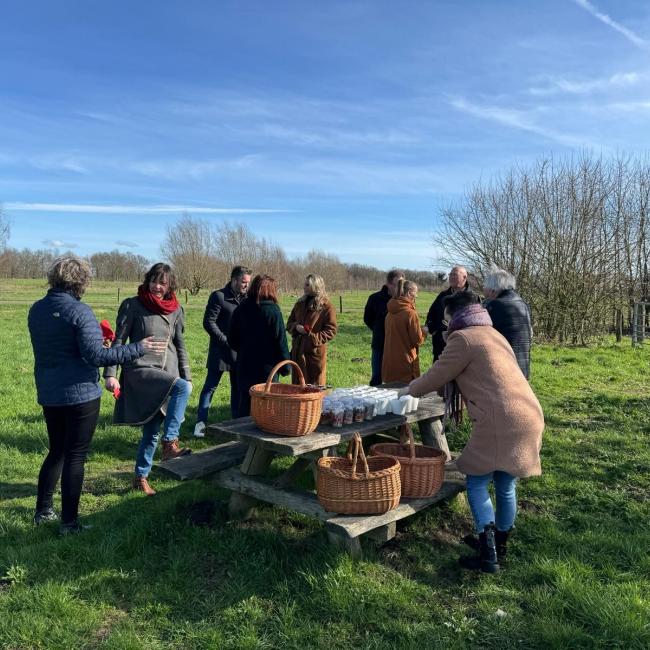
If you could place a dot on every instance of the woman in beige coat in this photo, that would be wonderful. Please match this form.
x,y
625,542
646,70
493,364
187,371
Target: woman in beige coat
x,y
507,421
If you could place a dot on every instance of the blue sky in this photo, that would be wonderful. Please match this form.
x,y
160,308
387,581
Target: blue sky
x,y
338,125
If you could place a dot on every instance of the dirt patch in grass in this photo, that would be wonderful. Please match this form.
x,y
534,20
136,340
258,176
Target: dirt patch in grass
x,y
209,514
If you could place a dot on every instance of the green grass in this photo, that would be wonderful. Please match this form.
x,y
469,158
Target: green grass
x,y
144,577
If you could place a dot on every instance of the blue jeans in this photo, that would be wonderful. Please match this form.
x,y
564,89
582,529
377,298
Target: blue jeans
x,y
375,363
205,398
505,489
178,397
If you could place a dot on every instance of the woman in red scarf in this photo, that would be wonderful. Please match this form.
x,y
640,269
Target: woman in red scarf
x,y
153,390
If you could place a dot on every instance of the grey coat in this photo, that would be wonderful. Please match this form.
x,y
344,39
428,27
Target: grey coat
x,y
147,381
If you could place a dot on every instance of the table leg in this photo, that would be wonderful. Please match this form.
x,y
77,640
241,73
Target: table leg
x,y
351,545
433,434
256,462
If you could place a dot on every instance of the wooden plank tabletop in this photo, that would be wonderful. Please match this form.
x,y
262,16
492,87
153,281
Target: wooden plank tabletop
x,y
325,436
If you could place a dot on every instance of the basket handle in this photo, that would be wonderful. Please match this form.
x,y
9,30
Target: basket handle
x,y
355,449
405,431
277,367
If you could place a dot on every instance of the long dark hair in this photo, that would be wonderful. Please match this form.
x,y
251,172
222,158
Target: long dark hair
x,y
162,272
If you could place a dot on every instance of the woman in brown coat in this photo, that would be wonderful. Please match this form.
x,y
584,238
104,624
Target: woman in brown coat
x,y
403,335
507,422
312,324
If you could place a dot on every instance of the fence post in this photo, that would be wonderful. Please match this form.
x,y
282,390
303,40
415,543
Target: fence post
x,y
118,295
186,296
619,325
341,304
641,330
635,318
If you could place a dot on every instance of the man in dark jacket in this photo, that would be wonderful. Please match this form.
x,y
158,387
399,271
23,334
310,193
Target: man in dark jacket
x,y
374,317
221,357
510,315
435,318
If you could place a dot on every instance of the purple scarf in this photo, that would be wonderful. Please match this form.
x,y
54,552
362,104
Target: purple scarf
x,y
469,316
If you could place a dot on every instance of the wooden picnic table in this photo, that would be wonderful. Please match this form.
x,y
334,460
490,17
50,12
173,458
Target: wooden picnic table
x,y
250,484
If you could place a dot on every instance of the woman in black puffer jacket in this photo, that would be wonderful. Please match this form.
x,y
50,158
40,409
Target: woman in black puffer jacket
x,y
68,348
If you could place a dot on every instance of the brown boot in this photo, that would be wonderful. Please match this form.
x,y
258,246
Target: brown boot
x,y
142,485
172,450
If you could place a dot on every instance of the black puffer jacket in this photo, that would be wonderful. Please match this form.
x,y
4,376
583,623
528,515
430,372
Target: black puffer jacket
x,y
510,316
68,349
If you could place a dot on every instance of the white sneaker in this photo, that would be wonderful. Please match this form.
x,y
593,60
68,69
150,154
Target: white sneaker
x,y
199,430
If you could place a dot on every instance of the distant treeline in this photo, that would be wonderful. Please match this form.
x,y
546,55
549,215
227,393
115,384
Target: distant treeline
x,y
203,256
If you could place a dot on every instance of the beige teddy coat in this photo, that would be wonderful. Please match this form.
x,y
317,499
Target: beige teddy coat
x,y
507,419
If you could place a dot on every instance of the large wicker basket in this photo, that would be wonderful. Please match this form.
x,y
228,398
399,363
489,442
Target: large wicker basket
x,y
286,409
423,468
372,491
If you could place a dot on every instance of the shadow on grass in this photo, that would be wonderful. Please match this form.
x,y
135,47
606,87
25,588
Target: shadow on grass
x,y
16,490
177,550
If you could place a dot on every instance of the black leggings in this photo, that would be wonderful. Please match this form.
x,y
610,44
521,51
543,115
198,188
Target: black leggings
x,y
70,430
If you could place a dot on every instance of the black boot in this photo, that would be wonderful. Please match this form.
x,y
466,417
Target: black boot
x,y
486,560
501,543
500,540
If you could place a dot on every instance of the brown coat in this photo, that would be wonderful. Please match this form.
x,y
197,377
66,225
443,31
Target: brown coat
x,y
309,350
402,340
507,419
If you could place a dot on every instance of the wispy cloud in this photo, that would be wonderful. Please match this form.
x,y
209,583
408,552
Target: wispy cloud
x,y
517,119
642,106
579,87
130,209
57,243
48,162
128,244
608,20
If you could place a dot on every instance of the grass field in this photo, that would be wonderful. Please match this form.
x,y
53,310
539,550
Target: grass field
x,y
145,577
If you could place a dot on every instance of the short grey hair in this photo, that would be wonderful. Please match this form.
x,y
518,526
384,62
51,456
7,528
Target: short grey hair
x,y
499,280
70,273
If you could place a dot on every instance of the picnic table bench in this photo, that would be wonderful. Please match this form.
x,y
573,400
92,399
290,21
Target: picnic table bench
x,y
251,484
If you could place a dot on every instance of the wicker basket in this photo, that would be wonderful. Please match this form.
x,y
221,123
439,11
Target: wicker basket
x,y
373,491
286,409
423,468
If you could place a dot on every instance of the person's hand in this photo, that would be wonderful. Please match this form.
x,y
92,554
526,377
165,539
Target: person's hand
x,y
300,329
150,344
112,384
403,391
425,330
107,343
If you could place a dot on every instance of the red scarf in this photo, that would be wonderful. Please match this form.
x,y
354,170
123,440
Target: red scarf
x,y
162,306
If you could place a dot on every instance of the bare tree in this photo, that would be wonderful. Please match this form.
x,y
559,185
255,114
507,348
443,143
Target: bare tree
x,y
573,231
116,265
190,248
